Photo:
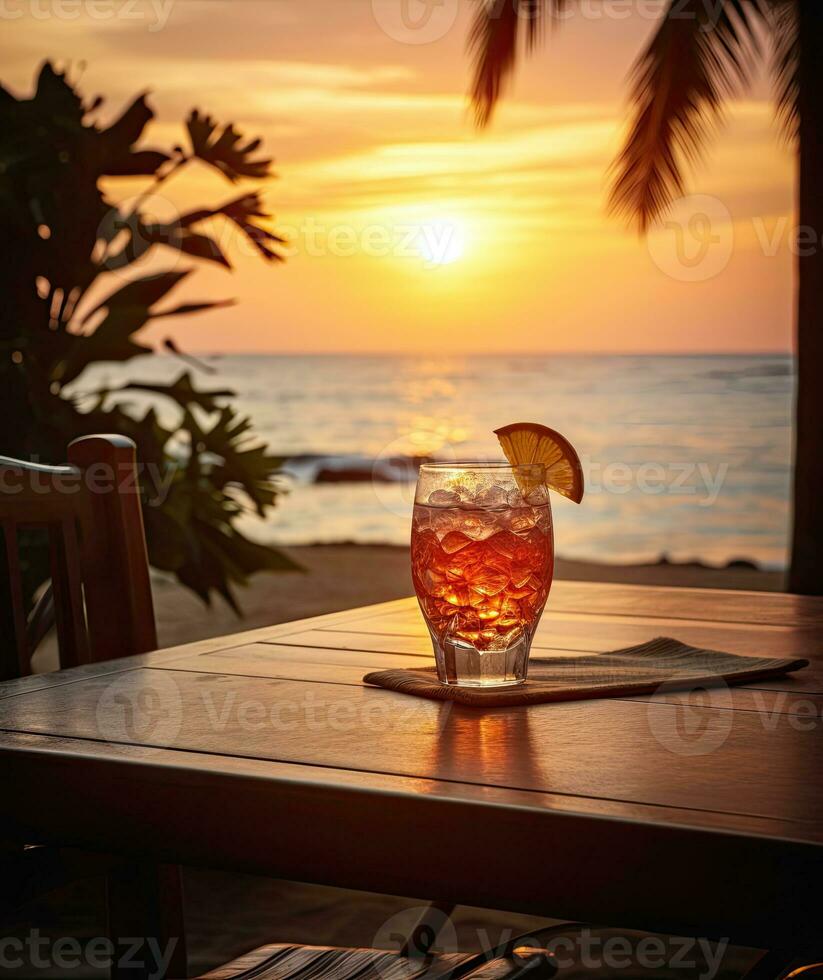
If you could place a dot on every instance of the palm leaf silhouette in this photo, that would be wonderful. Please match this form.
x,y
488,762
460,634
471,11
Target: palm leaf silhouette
x,y
223,151
785,64
694,62
494,40
699,56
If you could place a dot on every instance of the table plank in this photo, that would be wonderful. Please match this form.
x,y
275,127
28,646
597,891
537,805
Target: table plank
x,y
408,620
715,605
590,637
23,685
297,663
578,637
185,766
614,749
349,667
732,606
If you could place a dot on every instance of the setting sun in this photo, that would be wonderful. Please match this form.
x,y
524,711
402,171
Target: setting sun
x,y
441,241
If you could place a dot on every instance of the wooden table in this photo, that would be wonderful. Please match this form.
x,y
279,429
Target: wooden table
x,y
692,813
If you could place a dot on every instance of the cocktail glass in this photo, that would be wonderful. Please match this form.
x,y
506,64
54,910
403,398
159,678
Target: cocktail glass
x,y
482,561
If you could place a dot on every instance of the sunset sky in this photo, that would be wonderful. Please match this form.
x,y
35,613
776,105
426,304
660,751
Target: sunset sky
x,y
410,230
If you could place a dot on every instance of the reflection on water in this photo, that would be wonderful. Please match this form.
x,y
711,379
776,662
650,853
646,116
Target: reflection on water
x,y
684,455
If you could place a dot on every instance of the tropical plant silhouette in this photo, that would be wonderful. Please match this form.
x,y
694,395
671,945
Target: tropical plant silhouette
x,y
75,296
701,54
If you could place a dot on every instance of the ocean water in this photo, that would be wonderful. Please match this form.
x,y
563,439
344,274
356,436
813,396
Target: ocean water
x,y
687,456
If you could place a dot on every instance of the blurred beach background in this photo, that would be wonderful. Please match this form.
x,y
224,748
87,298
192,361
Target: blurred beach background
x,y
687,456
687,461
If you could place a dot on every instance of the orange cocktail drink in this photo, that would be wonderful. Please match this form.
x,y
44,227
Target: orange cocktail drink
x,y
482,562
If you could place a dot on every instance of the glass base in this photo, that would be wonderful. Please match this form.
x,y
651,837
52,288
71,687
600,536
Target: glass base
x,y
460,664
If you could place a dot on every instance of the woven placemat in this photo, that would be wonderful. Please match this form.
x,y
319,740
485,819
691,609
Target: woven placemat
x,y
642,669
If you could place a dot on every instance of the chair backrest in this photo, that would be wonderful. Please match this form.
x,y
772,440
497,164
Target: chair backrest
x,y
99,567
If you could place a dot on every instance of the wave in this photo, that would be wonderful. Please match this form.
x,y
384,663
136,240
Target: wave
x,y
784,369
310,468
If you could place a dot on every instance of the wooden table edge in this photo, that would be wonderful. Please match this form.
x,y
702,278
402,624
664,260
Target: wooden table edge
x,y
578,870
186,764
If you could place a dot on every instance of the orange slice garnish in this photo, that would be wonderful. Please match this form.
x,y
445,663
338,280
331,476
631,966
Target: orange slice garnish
x,y
528,442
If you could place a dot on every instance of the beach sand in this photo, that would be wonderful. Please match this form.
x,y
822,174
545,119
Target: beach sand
x,y
346,575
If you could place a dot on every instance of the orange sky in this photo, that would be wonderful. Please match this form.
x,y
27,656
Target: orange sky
x,y
381,177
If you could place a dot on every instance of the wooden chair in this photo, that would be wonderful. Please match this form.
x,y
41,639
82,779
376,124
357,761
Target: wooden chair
x,y
100,592
100,601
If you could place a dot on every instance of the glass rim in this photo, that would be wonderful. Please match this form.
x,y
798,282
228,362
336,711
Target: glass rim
x,y
471,464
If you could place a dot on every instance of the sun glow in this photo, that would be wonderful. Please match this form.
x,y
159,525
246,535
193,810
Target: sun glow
x,y
441,241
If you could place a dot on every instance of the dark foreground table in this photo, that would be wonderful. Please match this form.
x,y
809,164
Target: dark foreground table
x,y
695,813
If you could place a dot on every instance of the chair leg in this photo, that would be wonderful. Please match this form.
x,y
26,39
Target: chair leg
x,y
145,910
